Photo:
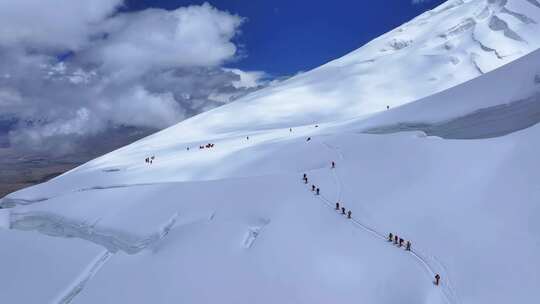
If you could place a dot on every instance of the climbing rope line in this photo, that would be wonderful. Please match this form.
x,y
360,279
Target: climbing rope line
x,y
446,289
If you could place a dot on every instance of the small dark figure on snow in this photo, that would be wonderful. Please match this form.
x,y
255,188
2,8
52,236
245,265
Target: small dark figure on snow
x,y
201,147
437,279
388,107
187,148
395,239
337,206
308,139
146,160
342,210
247,137
390,237
305,176
305,180
312,187
400,242
290,129
408,246
349,214
333,165
152,157
316,126
317,191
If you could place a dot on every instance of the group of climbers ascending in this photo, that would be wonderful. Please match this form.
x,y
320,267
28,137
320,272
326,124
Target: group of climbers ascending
x,y
391,237
399,241
349,213
207,146
149,160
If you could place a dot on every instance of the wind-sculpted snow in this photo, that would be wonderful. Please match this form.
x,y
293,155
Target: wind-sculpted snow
x,y
484,123
54,225
77,286
501,102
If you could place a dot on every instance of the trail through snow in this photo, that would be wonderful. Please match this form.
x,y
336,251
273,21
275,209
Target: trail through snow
x,y
445,285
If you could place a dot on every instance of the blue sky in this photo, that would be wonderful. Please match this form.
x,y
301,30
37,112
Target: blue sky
x,y
283,37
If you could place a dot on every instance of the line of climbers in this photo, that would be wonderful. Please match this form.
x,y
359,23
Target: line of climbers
x,y
391,237
207,146
399,241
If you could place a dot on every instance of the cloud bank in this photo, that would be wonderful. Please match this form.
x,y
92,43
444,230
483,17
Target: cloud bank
x,y
76,69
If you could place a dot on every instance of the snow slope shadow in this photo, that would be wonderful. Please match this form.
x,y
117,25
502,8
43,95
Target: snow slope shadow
x,y
484,123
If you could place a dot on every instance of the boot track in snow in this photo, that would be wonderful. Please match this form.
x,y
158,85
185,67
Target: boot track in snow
x,y
423,259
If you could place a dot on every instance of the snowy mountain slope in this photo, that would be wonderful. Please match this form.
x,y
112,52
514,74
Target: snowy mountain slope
x,y
266,238
486,106
236,224
449,45
498,103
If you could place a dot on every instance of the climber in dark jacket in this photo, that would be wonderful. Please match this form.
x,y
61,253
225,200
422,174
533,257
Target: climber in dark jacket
x,y
437,279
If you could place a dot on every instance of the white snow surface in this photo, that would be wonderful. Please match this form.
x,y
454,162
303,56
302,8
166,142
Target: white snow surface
x,y
450,167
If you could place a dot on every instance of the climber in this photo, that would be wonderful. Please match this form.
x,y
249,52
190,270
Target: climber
x,y
349,214
305,176
437,279
408,246
390,236
400,242
308,139
337,206
305,180
187,148
290,129
342,210
247,137
146,160
312,187
388,107
395,239
317,191
333,164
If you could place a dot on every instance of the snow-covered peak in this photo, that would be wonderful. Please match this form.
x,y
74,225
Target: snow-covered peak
x,y
439,49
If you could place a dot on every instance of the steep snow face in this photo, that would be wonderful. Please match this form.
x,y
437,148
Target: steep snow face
x,y
500,102
449,45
